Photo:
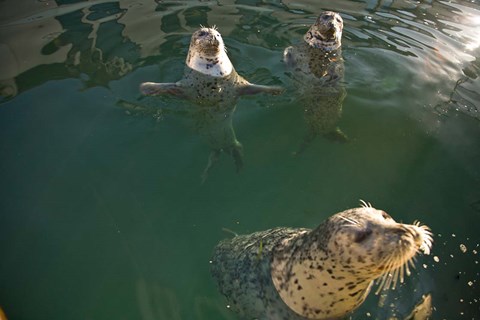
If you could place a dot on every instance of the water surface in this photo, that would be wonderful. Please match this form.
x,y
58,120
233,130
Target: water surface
x,y
103,213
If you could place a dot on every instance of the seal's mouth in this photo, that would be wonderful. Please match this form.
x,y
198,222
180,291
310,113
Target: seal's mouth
x,y
326,32
413,239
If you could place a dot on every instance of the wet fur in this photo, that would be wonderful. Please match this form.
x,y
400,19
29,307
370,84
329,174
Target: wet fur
x,y
324,273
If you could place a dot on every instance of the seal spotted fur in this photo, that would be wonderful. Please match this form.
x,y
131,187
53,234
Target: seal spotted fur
x,y
325,273
317,70
210,81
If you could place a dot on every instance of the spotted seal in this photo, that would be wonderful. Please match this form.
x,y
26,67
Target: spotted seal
x,y
210,81
317,70
325,273
209,77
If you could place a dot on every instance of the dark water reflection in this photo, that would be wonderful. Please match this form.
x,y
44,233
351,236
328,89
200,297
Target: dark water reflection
x,y
102,210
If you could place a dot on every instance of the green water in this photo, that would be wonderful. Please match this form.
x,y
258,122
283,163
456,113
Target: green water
x,y
103,213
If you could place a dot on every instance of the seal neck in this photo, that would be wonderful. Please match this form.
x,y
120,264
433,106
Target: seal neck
x,y
311,282
215,66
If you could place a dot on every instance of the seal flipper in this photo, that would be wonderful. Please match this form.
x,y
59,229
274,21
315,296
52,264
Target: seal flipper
x,y
155,89
337,135
250,89
422,310
212,158
237,155
289,58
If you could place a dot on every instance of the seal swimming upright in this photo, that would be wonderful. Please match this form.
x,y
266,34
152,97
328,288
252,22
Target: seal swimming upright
x,y
209,77
317,69
325,273
210,81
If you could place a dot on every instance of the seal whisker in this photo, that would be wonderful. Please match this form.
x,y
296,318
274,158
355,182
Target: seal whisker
x,y
349,220
397,274
365,204
384,279
407,267
411,262
230,231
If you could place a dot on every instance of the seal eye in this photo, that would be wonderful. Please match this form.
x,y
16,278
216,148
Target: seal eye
x,y
202,33
386,215
362,235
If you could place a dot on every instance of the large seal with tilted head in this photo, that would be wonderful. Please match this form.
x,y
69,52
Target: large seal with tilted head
x,y
317,70
210,81
325,273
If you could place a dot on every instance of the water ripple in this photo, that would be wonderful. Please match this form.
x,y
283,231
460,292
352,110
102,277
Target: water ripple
x,y
430,43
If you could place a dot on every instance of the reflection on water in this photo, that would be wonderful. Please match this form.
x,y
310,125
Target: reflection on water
x,y
100,41
69,154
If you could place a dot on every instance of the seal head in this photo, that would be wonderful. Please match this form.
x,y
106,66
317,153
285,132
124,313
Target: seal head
x,y
326,32
207,53
327,273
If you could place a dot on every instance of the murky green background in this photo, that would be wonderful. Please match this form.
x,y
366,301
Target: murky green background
x,y
103,213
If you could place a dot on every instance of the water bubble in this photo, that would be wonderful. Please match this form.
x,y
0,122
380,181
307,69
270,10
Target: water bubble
x,y
436,259
463,248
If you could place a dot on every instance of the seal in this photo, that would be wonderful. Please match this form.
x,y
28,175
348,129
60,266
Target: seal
x,y
325,273
209,76
317,70
210,81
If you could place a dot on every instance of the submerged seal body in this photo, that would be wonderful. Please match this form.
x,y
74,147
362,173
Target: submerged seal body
x,y
211,82
325,273
317,69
